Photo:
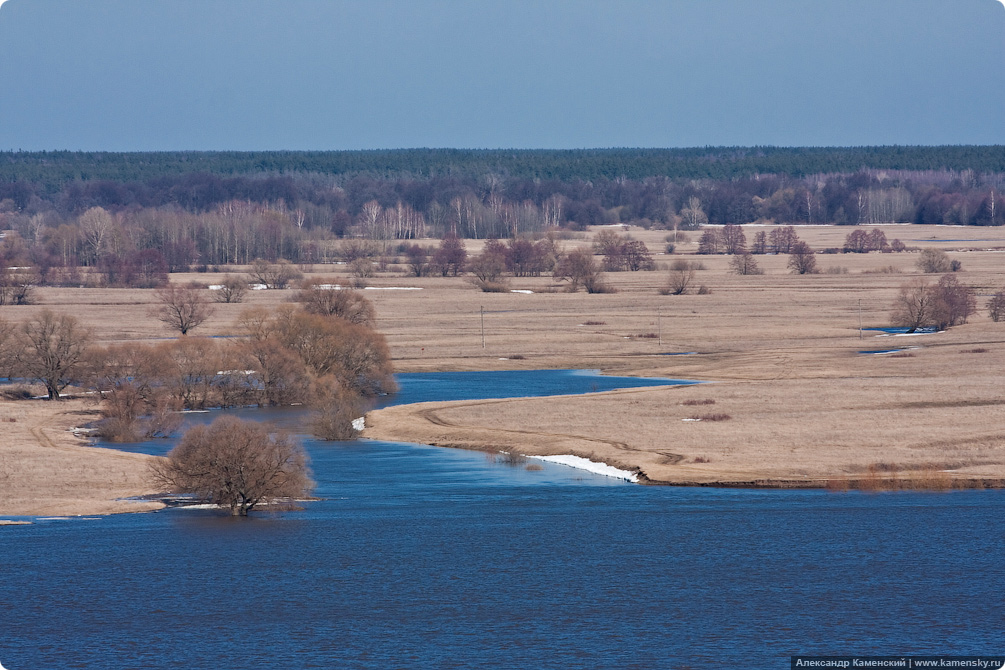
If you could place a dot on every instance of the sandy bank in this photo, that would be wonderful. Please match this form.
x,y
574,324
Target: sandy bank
x,y
46,470
856,431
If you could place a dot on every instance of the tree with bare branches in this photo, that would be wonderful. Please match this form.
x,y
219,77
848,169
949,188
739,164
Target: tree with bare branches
x,y
744,263
802,259
51,350
182,308
231,290
328,300
680,279
276,275
235,464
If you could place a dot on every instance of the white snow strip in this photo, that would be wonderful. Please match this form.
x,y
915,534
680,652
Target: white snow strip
x,y
690,419
586,464
258,287
521,290
359,424
393,288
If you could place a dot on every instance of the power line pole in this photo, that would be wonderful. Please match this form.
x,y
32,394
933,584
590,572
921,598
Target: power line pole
x,y
659,324
860,318
483,325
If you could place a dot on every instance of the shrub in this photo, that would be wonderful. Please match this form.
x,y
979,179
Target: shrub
x,y
510,458
933,261
710,417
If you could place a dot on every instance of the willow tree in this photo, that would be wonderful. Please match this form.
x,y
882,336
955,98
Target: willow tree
x,y
235,464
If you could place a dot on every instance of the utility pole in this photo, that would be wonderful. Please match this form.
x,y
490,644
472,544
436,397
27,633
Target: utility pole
x,y
659,324
483,325
860,318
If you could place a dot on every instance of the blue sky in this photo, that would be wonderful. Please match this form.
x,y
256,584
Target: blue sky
x,y
332,74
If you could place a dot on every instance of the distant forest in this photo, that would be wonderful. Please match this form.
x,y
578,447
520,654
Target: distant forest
x,y
81,209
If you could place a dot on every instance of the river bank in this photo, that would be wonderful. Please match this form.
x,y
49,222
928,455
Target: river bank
x,y
46,470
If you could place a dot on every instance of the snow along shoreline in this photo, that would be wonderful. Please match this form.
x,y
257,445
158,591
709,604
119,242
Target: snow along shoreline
x,y
590,466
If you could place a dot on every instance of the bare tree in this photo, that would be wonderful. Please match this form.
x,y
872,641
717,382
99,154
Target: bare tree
x,y
744,263
236,464
733,239
8,337
182,308
802,259
16,286
51,350
680,279
954,302
912,309
934,261
276,275
693,216
328,300
783,239
996,306
231,290
579,268
335,409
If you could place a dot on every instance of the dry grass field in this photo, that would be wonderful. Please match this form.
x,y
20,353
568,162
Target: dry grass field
x,y
46,470
780,353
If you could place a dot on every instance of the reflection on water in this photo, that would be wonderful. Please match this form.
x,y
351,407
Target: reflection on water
x,y
420,557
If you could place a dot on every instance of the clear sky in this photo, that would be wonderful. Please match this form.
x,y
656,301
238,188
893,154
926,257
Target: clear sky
x,y
336,74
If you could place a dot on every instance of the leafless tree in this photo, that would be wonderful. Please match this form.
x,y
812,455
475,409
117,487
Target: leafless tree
x,y
693,216
954,302
182,308
912,308
996,306
335,408
276,275
579,268
328,300
231,290
934,261
783,239
8,337
51,350
802,259
236,464
16,286
744,263
680,279
361,270
733,239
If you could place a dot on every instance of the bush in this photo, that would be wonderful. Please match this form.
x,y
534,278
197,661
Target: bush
x,y
934,261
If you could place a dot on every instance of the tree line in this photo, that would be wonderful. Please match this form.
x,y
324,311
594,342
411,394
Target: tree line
x,y
329,358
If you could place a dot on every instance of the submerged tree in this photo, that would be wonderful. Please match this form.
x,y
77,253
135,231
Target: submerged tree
x,y
236,464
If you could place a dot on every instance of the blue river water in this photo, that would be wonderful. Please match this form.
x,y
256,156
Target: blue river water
x,y
422,557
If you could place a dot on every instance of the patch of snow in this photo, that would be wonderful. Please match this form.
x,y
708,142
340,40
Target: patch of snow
x,y
690,419
258,287
590,466
521,290
359,424
393,288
